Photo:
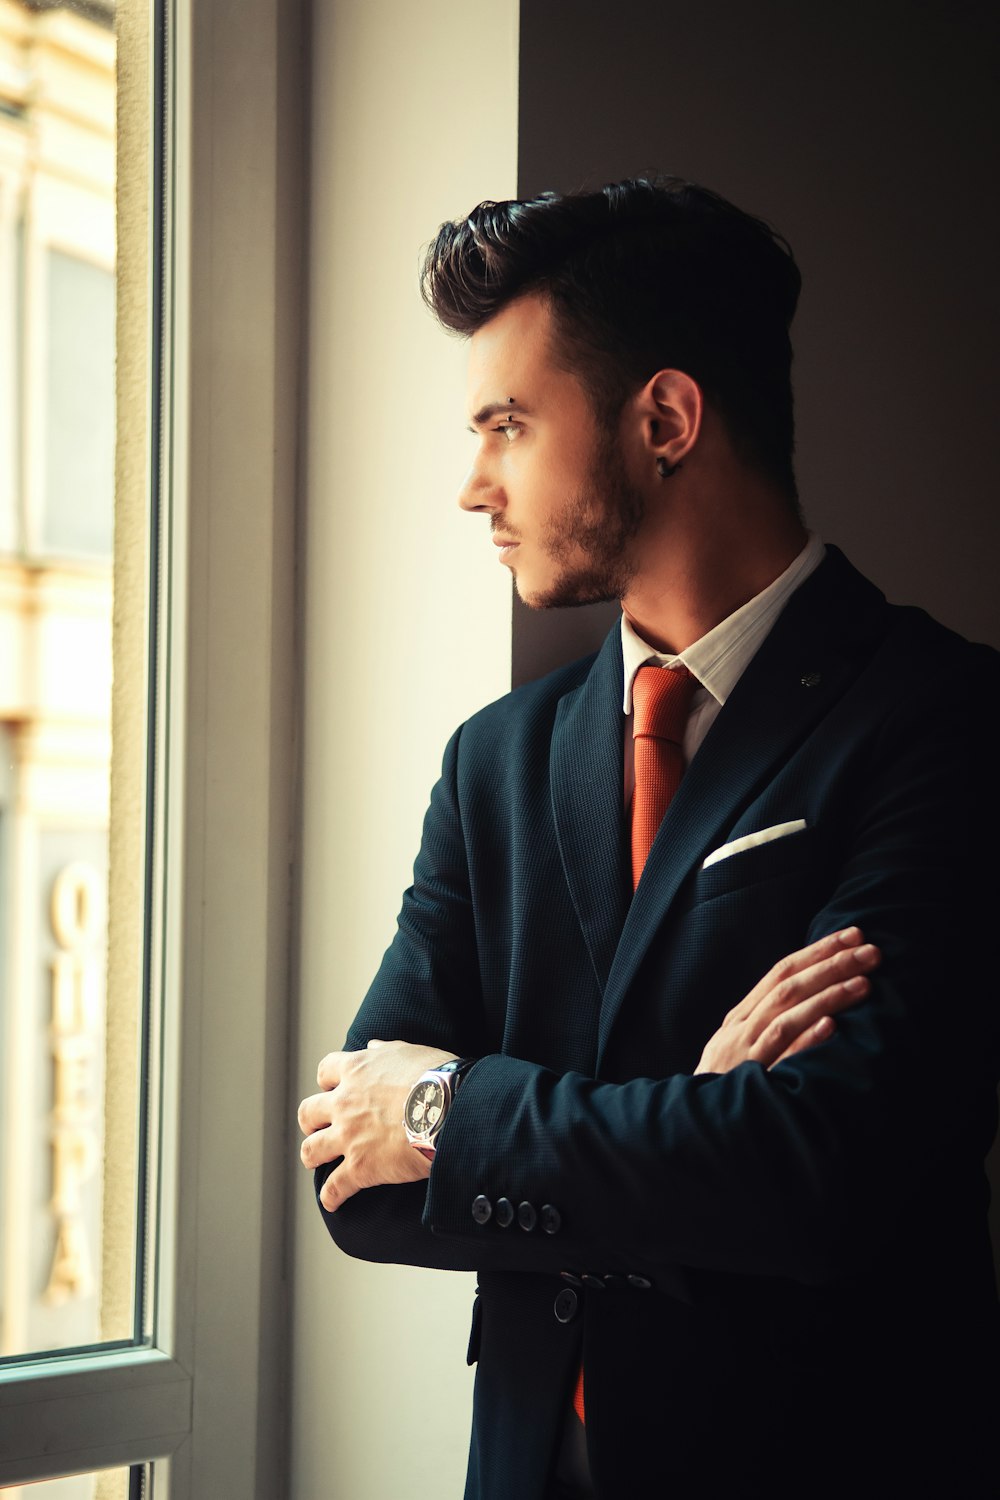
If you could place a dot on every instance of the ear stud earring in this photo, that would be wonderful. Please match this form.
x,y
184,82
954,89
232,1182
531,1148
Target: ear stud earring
x,y
666,470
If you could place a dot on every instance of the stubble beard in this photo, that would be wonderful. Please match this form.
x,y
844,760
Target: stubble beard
x,y
600,523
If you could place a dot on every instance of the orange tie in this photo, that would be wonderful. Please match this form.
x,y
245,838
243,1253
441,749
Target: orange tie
x,y
661,702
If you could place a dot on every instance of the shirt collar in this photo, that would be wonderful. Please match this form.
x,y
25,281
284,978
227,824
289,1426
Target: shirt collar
x,y
719,659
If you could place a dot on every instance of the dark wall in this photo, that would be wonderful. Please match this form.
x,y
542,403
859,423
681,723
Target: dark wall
x,y
868,135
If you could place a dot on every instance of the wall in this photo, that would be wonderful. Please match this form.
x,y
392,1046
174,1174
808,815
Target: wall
x,y
406,632
868,135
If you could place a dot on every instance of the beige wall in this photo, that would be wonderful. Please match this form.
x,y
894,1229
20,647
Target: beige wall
x,y
406,631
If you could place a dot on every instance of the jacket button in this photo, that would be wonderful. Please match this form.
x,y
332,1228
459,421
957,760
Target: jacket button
x,y
594,1282
482,1208
565,1305
527,1215
504,1213
571,1277
551,1219
641,1283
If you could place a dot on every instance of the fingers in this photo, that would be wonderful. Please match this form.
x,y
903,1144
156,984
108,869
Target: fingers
x,y
810,1021
322,1141
846,941
334,1065
319,1147
315,1113
823,977
345,1123
338,1187
821,1031
792,1006
331,1069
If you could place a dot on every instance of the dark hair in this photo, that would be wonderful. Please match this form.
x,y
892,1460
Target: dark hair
x,y
643,275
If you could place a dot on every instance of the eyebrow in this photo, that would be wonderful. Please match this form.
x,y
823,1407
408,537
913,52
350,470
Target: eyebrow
x,y
497,409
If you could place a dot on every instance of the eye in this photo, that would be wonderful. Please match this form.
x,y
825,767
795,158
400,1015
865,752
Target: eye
x,y
509,430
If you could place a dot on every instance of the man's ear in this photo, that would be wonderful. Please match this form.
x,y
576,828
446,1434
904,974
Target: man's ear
x,y
670,408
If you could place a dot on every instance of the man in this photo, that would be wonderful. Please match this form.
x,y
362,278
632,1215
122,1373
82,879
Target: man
x,y
726,1244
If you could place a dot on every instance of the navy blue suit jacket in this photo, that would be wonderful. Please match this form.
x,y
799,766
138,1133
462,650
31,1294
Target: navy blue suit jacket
x,y
788,1282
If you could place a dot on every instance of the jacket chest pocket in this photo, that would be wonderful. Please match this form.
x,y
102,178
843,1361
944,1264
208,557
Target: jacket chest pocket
x,y
799,854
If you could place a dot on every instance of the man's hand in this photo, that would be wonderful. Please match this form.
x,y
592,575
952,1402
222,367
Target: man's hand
x,y
359,1116
793,1006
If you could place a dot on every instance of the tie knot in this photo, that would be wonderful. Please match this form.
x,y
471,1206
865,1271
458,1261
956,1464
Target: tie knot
x,y
661,699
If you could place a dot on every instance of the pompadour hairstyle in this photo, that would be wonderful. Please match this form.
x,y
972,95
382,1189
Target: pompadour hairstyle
x,y
644,275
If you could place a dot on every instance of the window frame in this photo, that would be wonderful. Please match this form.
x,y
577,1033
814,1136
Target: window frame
x,y
206,1396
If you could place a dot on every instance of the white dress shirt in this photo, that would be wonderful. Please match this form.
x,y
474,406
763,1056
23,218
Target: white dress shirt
x,y
719,659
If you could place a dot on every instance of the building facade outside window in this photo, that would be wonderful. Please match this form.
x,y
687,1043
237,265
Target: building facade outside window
x,y
57,262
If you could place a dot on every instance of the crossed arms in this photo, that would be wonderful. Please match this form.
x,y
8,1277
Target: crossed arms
x,y
356,1119
799,1169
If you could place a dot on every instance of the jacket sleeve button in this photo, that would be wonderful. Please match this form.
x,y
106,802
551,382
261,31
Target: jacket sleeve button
x,y
504,1213
596,1283
482,1208
551,1219
527,1215
565,1305
641,1283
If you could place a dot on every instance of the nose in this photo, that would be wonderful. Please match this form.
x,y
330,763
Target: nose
x,y
478,491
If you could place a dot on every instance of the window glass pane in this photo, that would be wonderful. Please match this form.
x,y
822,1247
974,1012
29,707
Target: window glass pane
x,y
79,445
57,510
107,1484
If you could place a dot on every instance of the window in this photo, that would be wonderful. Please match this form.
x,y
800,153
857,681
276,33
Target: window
x,y
177,1364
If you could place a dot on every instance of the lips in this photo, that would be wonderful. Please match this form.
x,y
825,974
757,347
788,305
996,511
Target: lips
x,y
506,544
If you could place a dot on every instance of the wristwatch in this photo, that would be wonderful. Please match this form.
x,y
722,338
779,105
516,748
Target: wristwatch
x,y
428,1102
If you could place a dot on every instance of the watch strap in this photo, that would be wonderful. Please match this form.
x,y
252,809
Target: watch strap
x,y
456,1070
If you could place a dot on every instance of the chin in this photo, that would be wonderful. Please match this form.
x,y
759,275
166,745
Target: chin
x,y
590,586
561,597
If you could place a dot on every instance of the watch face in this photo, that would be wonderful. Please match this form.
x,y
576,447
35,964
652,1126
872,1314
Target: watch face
x,y
425,1106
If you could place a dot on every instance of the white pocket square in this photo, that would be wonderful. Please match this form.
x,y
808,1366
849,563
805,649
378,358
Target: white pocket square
x,y
751,840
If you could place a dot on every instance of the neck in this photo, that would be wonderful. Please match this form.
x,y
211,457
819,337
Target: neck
x,y
707,562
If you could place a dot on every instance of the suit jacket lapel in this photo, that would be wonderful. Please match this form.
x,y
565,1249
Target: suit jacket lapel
x,y
806,663
587,795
